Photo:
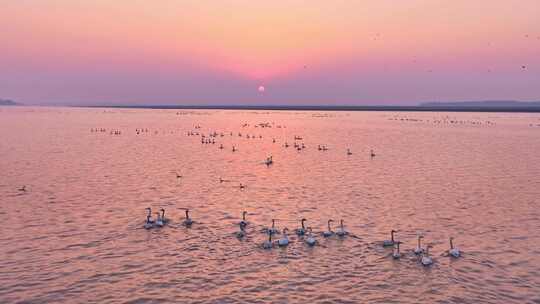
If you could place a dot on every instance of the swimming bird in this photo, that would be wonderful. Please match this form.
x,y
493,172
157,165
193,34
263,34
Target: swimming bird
x,y
349,152
269,161
341,230
454,251
233,148
372,154
148,224
240,234
188,221
388,243
273,229
159,221
242,186
419,249
149,211
396,254
23,188
165,220
426,259
301,231
310,240
243,221
284,241
268,243
329,232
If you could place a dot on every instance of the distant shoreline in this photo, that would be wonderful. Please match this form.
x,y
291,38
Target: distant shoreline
x,y
421,108
8,102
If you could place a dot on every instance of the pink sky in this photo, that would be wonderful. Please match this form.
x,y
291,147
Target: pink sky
x,y
302,52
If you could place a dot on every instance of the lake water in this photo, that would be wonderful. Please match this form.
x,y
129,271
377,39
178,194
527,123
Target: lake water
x,y
76,234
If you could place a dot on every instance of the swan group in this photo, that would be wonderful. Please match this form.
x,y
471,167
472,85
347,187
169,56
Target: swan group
x,y
423,253
306,235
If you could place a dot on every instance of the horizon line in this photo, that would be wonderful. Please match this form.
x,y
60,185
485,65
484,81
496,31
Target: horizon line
x,y
520,107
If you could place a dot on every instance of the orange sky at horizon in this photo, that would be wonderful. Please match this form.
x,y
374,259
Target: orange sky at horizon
x,y
267,41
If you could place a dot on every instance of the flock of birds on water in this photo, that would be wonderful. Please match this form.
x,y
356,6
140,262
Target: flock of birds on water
x,y
306,235
297,142
211,139
448,121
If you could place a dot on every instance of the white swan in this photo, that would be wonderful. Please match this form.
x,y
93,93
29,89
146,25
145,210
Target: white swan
x,y
396,254
310,240
163,218
390,242
301,231
240,234
243,221
341,230
454,251
149,216
426,259
159,221
419,249
284,241
188,221
273,229
268,243
329,233
149,224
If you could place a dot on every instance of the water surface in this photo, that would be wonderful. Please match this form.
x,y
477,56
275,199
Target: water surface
x,y
76,236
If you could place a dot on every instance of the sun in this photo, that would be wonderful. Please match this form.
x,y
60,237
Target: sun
x,y
261,89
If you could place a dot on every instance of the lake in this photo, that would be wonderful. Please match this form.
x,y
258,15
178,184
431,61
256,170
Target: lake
x,y
75,233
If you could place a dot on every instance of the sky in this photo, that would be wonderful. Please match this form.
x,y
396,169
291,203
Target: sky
x,y
310,52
